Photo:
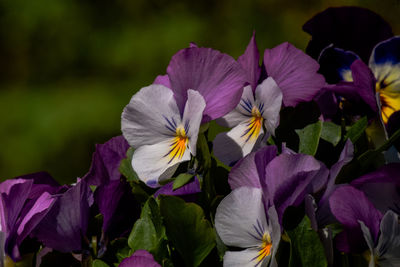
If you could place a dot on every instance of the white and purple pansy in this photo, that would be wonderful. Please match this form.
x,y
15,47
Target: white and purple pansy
x,y
242,221
162,137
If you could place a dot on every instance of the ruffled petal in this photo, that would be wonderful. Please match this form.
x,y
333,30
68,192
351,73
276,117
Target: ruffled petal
x,y
351,28
245,258
269,96
240,218
216,76
250,61
163,80
150,116
294,72
157,162
192,117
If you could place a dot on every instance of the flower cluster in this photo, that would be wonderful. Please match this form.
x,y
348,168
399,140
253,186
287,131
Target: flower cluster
x,y
291,161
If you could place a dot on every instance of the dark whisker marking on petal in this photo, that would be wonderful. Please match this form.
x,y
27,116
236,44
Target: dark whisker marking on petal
x,y
258,231
245,107
255,237
187,127
260,226
171,126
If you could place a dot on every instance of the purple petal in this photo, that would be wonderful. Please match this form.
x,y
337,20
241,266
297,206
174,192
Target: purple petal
x,y
163,80
186,190
350,28
294,72
382,187
250,170
106,160
288,178
216,76
66,223
140,258
349,206
250,61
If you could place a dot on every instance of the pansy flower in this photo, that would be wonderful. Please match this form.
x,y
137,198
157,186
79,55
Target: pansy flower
x,y
241,221
24,202
365,228
161,136
291,78
139,259
162,121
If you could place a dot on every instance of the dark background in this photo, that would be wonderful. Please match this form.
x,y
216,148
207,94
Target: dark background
x,y
68,67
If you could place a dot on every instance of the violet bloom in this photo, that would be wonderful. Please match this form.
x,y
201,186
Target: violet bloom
x,y
23,204
64,226
365,227
292,78
285,179
241,221
162,136
140,258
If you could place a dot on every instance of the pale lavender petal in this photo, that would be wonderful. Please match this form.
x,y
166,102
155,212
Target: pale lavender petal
x,y
153,163
349,206
106,160
269,97
192,117
163,80
216,76
140,258
389,239
243,258
250,61
249,170
240,218
150,117
294,72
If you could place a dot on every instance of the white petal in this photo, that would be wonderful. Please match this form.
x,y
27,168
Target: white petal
x,y
241,112
244,258
240,218
192,116
234,145
269,96
152,164
144,120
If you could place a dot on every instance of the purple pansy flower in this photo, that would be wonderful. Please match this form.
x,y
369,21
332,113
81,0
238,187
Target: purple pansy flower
x,y
292,78
365,227
64,226
140,258
188,191
243,221
152,124
24,202
285,179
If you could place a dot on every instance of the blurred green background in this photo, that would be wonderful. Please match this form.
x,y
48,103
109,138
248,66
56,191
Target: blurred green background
x,y
68,67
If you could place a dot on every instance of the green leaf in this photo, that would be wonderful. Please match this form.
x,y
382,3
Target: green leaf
x,y
356,130
331,132
204,127
99,263
306,246
309,138
148,233
125,167
187,229
181,180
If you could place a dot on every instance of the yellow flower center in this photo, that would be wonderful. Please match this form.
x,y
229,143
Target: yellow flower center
x,y
178,145
265,249
254,125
